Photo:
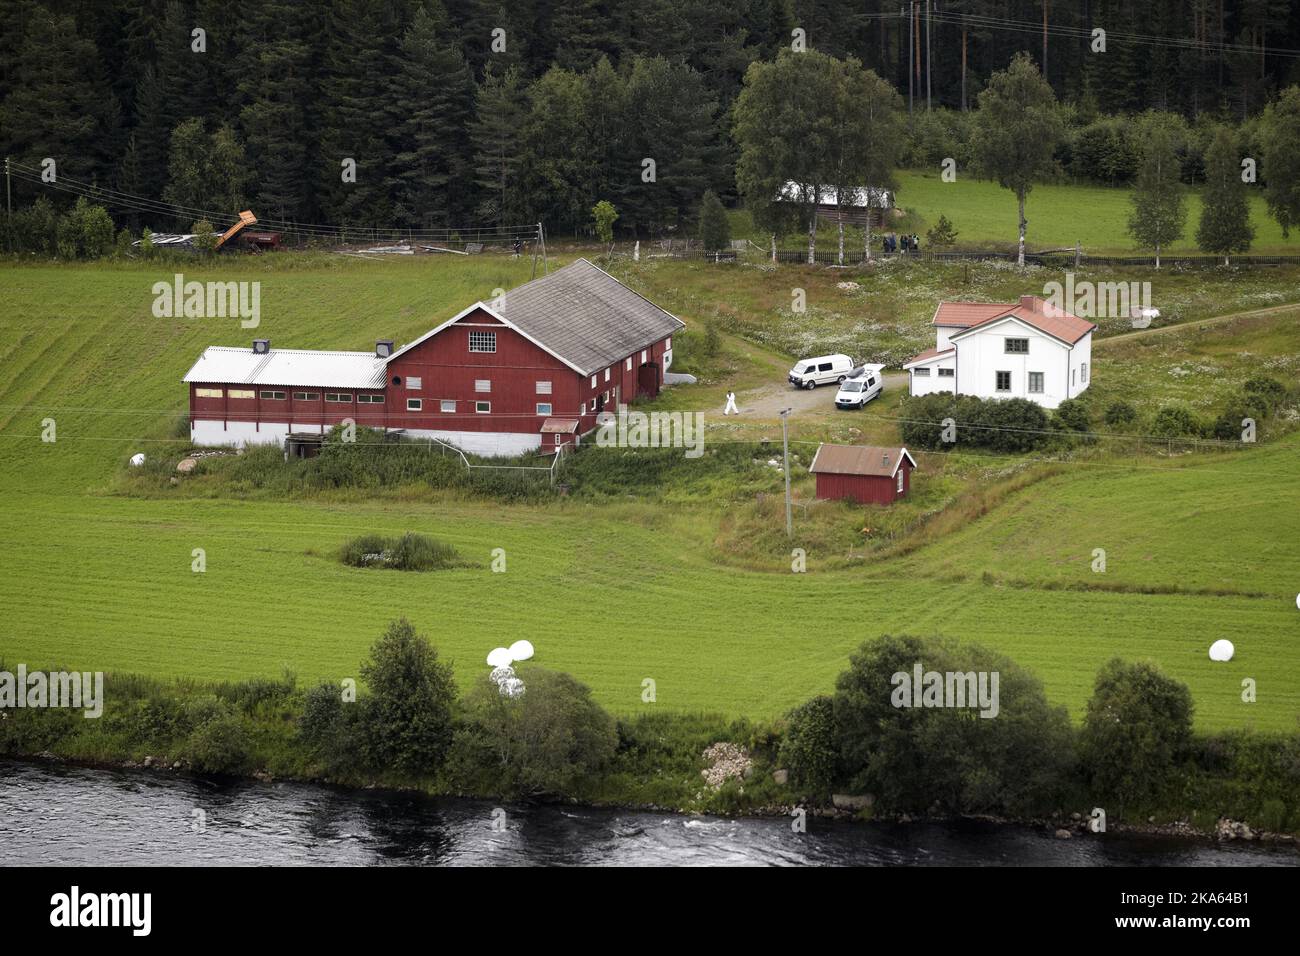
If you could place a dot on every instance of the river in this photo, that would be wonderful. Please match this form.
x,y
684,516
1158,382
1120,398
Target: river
x,y
57,814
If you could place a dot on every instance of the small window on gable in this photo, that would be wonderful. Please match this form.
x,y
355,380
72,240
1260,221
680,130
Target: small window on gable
x,y
900,480
413,381
482,341
483,385
593,381
543,388
1016,346
643,356
627,365
607,375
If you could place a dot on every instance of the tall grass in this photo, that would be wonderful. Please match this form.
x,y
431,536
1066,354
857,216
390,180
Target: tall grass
x,y
410,552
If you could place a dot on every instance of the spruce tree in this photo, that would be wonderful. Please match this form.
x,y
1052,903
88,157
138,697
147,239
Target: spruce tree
x,y
1225,212
494,134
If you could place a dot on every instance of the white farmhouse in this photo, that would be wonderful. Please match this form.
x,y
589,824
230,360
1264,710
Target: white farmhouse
x,y
1028,349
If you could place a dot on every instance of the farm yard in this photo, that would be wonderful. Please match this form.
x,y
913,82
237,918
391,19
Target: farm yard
x,y
697,596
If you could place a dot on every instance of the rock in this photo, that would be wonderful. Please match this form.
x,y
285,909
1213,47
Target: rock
x,y
726,761
176,765
186,465
1076,816
781,777
1063,834
1151,819
148,761
852,801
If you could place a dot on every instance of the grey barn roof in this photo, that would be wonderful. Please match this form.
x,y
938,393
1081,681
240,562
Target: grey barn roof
x,y
586,316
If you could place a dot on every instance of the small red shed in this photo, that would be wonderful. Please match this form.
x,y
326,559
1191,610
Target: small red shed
x,y
868,474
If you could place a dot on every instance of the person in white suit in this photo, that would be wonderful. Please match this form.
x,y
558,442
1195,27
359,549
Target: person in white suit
x,y
731,404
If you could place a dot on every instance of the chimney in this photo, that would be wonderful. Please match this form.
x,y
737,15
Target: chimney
x,y
884,459
261,346
383,348
1031,303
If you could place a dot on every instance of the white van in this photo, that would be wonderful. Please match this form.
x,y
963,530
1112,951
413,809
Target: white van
x,y
809,373
864,384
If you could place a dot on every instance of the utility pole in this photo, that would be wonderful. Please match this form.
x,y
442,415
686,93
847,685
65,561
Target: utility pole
x,y
785,459
541,235
927,56
9,206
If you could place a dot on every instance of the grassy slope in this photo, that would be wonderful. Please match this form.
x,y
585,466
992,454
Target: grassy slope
x,y
614,594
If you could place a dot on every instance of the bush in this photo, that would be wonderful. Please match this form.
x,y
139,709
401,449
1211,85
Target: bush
x,y
911,758
410,552
406,717
549,741
1119,414
1073,415
1137,727
218,745
715,227
329,727
1175,421
1013,424
1271,391
808,748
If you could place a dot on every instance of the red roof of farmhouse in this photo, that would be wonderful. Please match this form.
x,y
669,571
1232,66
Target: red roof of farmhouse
x,y
1031,309
927,355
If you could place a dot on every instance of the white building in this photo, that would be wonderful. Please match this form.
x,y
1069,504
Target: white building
x,y
1027,349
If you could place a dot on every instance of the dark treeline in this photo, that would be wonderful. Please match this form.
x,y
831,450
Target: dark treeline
x,y
491,112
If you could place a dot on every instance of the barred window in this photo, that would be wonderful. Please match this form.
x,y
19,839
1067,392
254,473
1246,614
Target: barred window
x,y
483,385
338,397
543,388
482,341
306,396
275,395
370,399
207,393
1017,346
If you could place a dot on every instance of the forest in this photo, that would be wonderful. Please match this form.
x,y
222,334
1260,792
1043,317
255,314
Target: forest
x,y
478,111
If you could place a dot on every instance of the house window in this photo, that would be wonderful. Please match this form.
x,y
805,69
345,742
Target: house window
x,y
277,396
242,393
627,364
207,393
306,396
900,480
1016,346
607,375
447,405
923,372
1036,382
413,381
947,372
370,399
482,341
543,388
338,397
1004,381
543,408
593,381
482,384
643,356
1083,373
1072,373
482,407
414,404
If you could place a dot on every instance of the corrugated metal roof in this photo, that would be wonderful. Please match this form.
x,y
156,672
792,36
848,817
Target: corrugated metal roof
x,y
559,426
859,460
292,367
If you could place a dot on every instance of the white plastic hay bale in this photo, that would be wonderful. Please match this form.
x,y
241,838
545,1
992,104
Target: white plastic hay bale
x,y
500,657
1222,650
137,459
521,650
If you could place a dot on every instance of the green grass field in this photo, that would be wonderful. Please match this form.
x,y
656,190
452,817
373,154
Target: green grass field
x,y
614,593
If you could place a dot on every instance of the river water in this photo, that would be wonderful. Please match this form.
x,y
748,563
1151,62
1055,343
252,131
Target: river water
x,y
53,814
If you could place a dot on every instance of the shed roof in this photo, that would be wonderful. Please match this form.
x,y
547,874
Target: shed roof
x,y
559,426
872,460
928,355
580,314
291,367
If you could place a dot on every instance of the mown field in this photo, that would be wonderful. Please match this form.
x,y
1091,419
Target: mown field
x,y
1059,214
615,592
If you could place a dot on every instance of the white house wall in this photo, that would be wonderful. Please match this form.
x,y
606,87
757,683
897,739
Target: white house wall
x,y
981,355
243,434
934,382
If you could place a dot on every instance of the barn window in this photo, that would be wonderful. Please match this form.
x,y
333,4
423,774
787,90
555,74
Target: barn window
x,y
900,480
643,356
1016,346
339,398
1035,381
582,409
306,396
413,381
1003,383
242,393
414,404
543,408
207,393
278,396
593,381
668,342
627,365
370,399
482,407
923,372
482,341
482,384
543,388
607,375
447,405
947,372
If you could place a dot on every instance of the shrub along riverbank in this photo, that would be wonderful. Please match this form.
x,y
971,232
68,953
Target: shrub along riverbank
x,y
901,737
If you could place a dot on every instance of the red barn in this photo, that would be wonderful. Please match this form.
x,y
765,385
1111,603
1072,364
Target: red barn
x,y
529,370
864,473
